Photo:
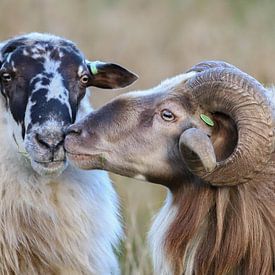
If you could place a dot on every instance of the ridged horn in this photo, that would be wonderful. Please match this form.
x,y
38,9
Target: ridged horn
x,y
220,87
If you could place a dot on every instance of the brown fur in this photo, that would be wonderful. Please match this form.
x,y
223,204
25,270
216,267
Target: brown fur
x,y
236,225
217,220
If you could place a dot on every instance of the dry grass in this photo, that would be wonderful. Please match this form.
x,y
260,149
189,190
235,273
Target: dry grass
x,y
156,39
139,203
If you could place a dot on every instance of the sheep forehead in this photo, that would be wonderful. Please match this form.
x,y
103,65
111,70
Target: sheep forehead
x,y
44,51
45,58
34,38
48,78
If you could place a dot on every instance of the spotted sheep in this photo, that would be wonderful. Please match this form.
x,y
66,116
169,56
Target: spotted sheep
x,y
54,218
208,136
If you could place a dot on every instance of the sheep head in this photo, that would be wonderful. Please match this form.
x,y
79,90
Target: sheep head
x,y
159,134
43,80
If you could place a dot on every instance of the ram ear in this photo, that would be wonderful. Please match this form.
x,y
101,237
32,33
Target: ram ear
x,y
203,151
109,75
197,151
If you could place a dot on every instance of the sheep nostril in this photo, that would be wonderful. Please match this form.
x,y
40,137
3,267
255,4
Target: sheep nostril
x,y
73,129
49,143
41,141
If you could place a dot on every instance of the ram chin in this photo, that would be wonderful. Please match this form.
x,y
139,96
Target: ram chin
x,y
84,161
50,169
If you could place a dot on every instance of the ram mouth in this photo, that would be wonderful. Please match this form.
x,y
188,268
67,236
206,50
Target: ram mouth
x,y
84,161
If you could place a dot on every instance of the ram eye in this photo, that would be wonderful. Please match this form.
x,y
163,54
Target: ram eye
x,y
84,79
6,77
167,115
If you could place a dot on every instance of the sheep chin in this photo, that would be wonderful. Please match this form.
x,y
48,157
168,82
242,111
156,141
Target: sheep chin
x,y
51,169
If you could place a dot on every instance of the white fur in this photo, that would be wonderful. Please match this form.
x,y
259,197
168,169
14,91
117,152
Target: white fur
x,y
68,224
157,233
70,221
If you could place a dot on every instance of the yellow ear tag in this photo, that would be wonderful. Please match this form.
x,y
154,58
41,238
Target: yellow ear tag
x,y
93,68
207,120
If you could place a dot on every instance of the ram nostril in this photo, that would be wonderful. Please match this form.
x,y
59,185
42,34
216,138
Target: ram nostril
x,y
73,129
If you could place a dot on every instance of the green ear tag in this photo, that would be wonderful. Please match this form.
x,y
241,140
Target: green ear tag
x,y
207,120
93,68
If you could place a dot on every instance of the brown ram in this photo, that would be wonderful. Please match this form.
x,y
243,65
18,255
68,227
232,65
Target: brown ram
x,y
208,136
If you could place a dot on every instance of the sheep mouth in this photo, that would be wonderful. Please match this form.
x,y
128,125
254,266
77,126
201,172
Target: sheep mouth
x,y
50,168
51,164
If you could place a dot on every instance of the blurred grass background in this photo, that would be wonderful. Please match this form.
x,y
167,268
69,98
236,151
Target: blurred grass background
x,y
155,39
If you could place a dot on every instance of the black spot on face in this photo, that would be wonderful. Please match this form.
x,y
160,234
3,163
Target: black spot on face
x,y
55,54
39,97
28,59
18,90
44,110
18,100
69,70
45,81
12,45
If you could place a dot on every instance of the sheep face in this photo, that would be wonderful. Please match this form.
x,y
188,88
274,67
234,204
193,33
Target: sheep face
x,y
136,135
43,80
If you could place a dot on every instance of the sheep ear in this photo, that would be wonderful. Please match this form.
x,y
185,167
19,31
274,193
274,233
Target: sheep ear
x,y
109,75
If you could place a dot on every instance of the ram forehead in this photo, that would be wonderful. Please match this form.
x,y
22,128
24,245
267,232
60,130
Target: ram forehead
x,y
164,87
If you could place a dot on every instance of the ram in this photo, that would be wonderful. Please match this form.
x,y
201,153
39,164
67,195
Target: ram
x,y
54,218
208,136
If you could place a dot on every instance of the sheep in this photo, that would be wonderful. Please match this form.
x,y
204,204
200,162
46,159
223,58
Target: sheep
x,y
208,136
54,218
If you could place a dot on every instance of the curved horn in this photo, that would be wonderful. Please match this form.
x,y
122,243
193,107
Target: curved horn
x,y
226,89
212,64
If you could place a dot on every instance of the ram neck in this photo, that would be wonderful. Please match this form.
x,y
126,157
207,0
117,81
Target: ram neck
x,y
229,230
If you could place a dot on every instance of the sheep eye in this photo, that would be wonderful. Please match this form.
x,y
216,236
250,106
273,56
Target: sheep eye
x,y
84,79
6,77
167,115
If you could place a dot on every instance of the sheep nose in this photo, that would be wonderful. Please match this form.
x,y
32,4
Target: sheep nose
x,y
73,129
52,142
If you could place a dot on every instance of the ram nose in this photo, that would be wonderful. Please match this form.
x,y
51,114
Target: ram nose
x,y
74,129
79,139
